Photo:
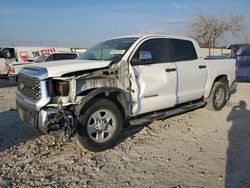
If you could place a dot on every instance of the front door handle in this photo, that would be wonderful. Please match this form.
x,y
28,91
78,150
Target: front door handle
x,y
202,66
170,69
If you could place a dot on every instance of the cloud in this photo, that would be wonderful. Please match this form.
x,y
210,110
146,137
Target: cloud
x,y
178,6
153,31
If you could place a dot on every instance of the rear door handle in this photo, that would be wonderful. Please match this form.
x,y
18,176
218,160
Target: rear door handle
x,y
170,69
202,66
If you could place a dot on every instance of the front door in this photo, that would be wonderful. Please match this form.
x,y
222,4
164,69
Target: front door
x,y
155,76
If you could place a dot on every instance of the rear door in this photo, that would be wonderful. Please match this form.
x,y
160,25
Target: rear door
x,y
191,71
156,80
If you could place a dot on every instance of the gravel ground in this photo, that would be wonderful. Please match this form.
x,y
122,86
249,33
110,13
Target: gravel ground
x,y
196,149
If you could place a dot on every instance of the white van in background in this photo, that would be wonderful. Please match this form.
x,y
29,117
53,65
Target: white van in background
x,y
24,54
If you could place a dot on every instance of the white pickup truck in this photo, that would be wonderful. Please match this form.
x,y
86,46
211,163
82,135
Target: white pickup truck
x,y
127,80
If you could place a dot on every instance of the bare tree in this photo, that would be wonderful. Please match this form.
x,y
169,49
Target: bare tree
x,y
209,29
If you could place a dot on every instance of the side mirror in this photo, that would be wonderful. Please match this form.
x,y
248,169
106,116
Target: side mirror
x,y
145,57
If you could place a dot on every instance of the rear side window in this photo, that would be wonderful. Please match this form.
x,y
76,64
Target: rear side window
x,y
183,50
50,58
70,56
55,57
64,56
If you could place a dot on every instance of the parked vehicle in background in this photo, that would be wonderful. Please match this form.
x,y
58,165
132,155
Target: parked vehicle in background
x,y
22,54
127,80
242,54
56,56
13,68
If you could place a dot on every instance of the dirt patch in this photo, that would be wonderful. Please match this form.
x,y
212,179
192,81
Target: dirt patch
x,y
196,149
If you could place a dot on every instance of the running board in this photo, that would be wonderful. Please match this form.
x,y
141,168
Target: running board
x,y
166,114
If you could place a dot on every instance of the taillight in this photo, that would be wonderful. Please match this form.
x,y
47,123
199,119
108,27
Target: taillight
x,y
61,88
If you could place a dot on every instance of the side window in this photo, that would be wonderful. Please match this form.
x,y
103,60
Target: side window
x,y
69,56
73,56
152,48
169,50
7,53
50,58
64,56
12,53
58,57
184,50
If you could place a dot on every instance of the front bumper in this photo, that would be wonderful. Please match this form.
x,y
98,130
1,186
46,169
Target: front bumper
x,y
26,110
35,119
27,113
33,113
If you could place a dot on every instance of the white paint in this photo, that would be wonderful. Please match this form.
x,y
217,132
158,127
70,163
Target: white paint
x,y
191,80
58,68
157,88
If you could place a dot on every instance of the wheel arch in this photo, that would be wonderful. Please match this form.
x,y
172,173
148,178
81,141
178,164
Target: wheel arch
x,y
118,96
223,79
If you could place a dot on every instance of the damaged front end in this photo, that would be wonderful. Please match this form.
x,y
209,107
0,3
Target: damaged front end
x,y
63,98
57,121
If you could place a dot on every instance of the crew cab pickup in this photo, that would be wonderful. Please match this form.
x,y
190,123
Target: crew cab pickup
x,y
121,81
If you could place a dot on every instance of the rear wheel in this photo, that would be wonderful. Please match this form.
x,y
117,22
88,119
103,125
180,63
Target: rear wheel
x,y
217,99
101,124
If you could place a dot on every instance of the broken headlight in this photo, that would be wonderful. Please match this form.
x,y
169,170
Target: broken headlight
x,y
60,88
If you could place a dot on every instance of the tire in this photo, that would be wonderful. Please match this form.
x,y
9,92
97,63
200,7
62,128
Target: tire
x,y
100,125
217,98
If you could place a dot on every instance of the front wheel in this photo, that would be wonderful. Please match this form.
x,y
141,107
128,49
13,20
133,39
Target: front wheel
x,y
217,99
101,124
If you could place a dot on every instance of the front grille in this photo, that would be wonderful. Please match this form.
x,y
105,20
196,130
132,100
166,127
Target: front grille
x,y
29,87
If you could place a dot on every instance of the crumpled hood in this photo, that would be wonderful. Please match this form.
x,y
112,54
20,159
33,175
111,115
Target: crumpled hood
x,y
59,68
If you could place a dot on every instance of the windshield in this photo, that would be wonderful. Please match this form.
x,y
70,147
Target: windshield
x,y
41,58
110,50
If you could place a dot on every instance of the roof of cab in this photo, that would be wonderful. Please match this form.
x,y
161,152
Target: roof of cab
x,y
142,36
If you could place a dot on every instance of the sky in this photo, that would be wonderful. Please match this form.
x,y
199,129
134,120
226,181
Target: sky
x,y
82,23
